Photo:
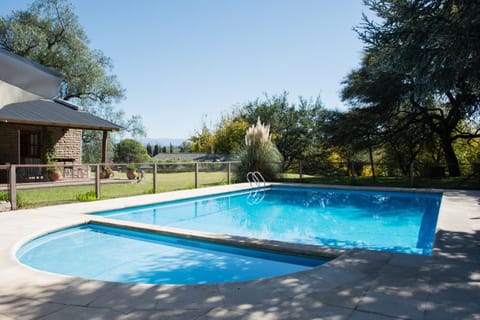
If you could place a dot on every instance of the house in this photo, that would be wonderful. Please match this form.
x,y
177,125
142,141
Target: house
x,y
32,124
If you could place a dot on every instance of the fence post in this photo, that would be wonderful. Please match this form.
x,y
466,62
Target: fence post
x,y
155,168
300,170
352,172
229,170
12,186
97,181
412,173
196,175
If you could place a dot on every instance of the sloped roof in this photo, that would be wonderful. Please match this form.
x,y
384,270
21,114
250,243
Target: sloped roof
x,y
24,80
53,113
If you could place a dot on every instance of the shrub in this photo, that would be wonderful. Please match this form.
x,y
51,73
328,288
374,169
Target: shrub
x,y
129,150
87,196
21,202
259,153
131,167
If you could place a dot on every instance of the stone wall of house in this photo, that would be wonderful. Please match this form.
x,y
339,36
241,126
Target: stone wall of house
x,y
68,143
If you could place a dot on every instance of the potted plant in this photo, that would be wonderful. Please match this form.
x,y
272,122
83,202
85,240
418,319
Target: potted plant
x,y
131,172
106,172
54,173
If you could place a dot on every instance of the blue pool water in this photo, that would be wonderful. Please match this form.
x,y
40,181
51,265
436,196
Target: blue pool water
x,y
113,254
390,221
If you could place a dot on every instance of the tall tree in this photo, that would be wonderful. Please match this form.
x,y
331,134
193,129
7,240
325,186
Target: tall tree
x,y
49,33
203,141
129,150
230,135
292,125
432,49
149,150
363,133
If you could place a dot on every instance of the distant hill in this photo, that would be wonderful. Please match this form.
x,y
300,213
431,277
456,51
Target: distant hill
x,y
162,141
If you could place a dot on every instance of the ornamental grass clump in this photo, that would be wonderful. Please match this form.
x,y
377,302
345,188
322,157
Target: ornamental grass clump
x,y
259,153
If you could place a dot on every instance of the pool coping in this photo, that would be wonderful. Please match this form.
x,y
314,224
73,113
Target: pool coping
x,y
351,267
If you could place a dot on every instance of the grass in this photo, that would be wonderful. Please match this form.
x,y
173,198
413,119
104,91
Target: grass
x,y
470,183
165,182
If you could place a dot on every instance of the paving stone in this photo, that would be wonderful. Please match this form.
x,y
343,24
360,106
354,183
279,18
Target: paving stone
x,y
346,297
79,292
248,293
127,298
409,260
83,313
358,315
189,297
366,261
461,293
447,270
403,282
470,311
315,311
334,276
174,314
26,309
392,306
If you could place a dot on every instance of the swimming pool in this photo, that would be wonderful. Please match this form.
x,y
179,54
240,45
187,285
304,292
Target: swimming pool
x,y
378,220
113,254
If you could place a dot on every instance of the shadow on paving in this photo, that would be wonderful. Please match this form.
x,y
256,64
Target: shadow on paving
x,y
455,276
359,285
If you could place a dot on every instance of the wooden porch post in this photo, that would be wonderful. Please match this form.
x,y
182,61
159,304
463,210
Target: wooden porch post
x,y
44,138
104,146
12,186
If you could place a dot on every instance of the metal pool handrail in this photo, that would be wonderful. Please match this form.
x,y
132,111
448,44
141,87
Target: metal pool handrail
x,y
255,177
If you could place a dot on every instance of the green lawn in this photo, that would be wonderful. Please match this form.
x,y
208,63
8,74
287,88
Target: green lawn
x,y
165,182
471,183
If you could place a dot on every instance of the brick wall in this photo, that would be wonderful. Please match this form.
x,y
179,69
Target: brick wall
x,y
68,142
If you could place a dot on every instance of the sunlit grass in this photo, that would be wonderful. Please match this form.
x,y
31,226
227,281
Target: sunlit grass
x,y
114,189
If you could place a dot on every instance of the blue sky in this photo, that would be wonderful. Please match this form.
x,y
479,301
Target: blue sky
x,y
185,62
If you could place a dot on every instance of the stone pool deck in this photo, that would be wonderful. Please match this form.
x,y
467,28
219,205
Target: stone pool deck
x,y
358,285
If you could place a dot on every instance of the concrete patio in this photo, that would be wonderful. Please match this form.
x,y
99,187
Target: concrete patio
x,y
358,285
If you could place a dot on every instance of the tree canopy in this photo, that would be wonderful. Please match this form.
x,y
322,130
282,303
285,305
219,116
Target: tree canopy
x,y
129,150
49,33
420,71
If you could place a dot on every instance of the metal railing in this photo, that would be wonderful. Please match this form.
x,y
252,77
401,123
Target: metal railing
x,y
255,178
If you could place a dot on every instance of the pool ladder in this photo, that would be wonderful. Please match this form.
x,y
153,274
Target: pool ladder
x,y
255,178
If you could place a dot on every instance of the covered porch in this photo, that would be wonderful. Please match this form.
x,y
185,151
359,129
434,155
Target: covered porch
x,y
47,131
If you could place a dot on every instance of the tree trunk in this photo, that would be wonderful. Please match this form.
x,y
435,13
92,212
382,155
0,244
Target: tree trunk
x,y
372,165
451,158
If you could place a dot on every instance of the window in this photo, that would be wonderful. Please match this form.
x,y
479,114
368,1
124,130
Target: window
x,y
30,144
